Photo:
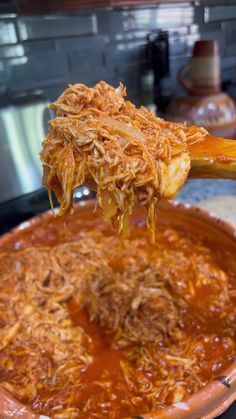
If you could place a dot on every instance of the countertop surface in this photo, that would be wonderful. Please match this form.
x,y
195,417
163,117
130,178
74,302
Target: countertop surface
x,y
197,190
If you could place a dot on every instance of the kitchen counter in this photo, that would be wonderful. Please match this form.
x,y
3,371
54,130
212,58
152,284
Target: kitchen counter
x,y
196,190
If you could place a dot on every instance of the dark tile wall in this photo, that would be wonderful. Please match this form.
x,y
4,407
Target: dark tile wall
x,y
48,52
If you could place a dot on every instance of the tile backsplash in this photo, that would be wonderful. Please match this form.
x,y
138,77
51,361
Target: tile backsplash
x,y
46,53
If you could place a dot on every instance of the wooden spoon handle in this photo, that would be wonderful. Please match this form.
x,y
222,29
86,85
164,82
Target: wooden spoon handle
x,y
213,158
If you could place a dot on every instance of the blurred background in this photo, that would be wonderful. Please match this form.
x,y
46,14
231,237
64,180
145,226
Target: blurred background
x,y
147,45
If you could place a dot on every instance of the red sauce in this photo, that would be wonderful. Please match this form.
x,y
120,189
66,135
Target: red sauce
x,y
105,358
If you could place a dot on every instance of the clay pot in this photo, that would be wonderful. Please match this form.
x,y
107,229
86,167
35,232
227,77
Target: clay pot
x,y
216,113
201,74
217,396
205,104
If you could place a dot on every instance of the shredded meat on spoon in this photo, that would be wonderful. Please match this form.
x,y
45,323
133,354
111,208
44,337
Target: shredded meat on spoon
x,y
101,140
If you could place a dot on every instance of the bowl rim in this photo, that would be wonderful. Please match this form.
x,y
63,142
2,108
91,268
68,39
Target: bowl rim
x,y
208,402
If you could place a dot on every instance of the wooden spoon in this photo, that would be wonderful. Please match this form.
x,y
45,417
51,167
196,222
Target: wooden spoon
x,y
213,158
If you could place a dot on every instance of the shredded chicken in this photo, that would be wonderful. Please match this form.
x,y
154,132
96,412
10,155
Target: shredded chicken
x,y
100,139
157,324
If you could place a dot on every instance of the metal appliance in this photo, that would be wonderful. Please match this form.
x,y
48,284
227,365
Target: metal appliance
x,y
23,125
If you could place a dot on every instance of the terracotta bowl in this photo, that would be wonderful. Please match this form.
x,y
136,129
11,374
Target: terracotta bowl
x,y
217,396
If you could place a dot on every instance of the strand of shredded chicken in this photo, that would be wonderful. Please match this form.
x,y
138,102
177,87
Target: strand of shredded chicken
x,y
101,140
167,314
